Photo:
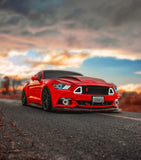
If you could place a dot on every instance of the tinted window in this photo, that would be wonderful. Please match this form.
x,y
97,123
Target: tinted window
x,y
59,74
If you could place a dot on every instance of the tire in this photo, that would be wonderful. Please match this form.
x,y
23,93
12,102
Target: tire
x,y
46,100
24,99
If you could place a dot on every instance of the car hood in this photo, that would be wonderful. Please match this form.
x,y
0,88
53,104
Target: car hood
x,y
82,80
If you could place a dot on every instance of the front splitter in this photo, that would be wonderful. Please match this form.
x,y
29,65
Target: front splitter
x,y
88,109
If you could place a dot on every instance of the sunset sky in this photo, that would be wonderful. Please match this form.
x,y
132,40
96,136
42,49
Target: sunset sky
x,y
98,38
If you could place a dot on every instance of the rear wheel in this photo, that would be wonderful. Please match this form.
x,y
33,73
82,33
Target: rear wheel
x,y
46,99
24,99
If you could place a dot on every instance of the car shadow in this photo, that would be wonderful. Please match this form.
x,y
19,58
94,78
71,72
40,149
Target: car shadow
x,y
60,111
72,112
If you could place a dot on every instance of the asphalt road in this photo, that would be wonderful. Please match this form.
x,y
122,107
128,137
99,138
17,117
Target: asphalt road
x,y
78,136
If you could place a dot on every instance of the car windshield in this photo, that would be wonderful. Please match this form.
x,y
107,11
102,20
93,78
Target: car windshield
x,y
58,74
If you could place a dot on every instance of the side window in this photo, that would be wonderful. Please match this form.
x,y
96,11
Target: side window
x,y
40,75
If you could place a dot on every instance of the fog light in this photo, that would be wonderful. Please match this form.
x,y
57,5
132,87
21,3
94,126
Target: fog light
x,y
116,102
65,101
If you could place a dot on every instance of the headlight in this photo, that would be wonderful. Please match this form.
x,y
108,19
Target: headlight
x,y
61,86
116,89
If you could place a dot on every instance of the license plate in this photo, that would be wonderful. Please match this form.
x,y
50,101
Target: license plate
x,y
98,99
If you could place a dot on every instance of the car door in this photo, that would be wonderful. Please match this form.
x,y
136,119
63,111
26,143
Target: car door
x,y
31,90
38,88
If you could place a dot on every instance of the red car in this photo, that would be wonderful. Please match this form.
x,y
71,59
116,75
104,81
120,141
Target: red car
x,y
57,90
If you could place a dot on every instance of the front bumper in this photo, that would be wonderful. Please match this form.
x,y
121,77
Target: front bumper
x,y
83,102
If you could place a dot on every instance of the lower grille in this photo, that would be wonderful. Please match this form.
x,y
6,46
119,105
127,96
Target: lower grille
x,y
95,104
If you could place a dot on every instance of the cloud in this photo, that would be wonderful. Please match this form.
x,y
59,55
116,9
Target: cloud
x,y
58,58
3,54
119,54
12,53
73,58
16,53
12,70
138,72
66,33
40,24
54,59
131,88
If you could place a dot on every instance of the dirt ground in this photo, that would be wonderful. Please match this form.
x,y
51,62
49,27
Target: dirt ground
x,y
12,96
16,144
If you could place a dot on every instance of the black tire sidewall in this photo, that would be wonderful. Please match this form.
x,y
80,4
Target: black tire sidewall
x,y
50,105
25,101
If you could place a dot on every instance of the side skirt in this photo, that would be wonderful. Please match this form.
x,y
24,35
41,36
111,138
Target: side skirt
x,y
35,105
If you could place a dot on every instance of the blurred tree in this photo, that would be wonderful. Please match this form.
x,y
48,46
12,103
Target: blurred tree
x,y
14,86
6,84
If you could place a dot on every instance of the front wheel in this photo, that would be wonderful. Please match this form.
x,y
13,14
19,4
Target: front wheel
x,y
46,99
24,99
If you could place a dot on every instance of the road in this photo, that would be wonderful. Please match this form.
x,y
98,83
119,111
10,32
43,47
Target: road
x,y
78,136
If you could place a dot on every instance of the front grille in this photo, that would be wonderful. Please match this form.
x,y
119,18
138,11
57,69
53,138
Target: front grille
x,y
97,90
95,104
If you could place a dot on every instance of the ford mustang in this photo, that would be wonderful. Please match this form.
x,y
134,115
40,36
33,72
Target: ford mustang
x,y
66,90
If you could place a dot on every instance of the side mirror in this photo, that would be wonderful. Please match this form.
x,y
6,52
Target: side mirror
x,y
34,78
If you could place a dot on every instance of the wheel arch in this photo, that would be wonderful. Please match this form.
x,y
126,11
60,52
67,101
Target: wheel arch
x,y
24,98
25,88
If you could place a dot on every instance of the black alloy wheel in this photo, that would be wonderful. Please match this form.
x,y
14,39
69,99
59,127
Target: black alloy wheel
x,y
46,100
24,100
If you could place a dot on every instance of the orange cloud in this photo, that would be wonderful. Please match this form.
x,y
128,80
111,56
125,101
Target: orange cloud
x,y
21,44
3,54
18,43
130,88
63,58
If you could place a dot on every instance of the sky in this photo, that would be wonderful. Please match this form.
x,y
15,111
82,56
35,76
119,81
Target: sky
x,y
97,38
